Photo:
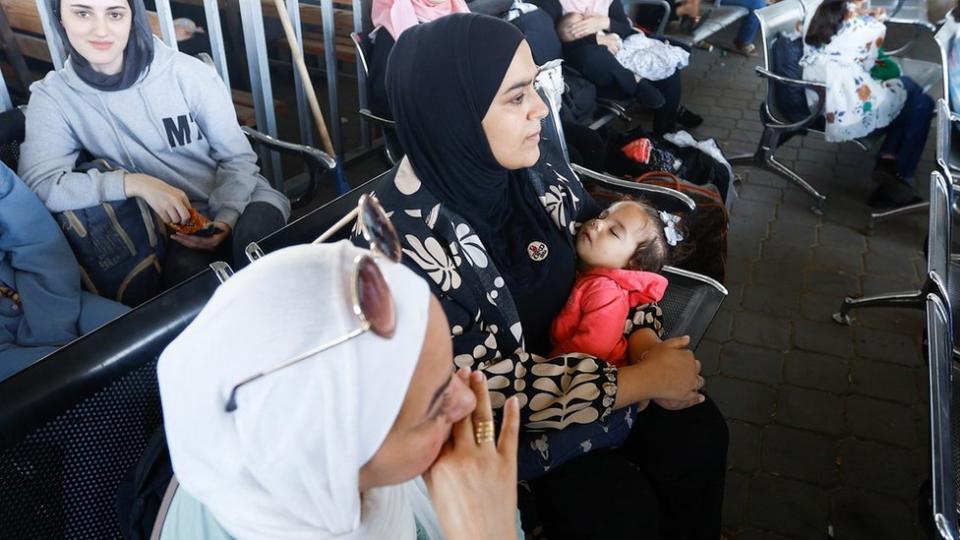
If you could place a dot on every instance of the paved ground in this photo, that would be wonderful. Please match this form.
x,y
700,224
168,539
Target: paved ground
x,y
829,424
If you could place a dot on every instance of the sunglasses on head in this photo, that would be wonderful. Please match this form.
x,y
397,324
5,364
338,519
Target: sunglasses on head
x,y
372,301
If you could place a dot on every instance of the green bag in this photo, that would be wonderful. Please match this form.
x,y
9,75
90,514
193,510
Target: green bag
x,y
885,67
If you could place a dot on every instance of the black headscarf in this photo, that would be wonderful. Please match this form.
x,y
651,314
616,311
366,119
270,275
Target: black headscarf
x,y
442,77
136,57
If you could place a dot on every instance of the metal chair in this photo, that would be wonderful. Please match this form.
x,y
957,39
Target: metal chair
x,y
74,423
943,368
912,12
947,44
938,243
391,146
943,415
317,161
720,17
775,20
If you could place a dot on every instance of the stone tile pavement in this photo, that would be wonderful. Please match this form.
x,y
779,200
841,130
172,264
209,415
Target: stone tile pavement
x,y
829,424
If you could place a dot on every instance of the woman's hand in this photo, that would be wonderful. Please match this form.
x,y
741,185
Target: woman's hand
x,y
203,243
669,374
170,203
588,25
474,484
610,41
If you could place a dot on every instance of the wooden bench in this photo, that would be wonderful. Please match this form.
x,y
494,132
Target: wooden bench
x,y
311,16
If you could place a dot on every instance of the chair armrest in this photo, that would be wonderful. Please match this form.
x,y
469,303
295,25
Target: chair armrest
x,y
613,107
309,153
896,9
378,119
633,188
317,161
819,88
662,4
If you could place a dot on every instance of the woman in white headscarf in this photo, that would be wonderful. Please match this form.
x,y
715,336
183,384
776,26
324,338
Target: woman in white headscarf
x,y
331,446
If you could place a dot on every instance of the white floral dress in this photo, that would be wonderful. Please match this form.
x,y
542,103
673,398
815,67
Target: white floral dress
x,y
856,104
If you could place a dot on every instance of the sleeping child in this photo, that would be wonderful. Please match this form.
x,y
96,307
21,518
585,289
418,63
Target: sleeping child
x,y
620,253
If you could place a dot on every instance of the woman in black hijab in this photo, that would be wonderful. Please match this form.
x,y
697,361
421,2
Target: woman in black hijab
x,y
486,209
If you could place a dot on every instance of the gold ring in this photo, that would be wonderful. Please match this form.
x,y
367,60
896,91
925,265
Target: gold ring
x,y
483,431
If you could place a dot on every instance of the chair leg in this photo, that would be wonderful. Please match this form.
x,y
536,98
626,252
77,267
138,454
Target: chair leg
x,y
765,159
744,160
884,214
775,166
909,299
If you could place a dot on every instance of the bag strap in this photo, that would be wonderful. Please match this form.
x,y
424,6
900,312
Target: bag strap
x,y
164,508
661,176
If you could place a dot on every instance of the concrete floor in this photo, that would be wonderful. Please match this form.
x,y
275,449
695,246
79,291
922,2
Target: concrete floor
x,y
829,424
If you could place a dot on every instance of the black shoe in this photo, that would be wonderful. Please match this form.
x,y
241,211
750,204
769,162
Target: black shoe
x,y
883,199
688,118
885,171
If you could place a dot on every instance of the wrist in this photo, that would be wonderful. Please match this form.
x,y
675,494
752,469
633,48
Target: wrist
x,y
131,185
632,386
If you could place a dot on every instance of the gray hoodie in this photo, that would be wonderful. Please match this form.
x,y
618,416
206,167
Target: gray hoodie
x,y
176,123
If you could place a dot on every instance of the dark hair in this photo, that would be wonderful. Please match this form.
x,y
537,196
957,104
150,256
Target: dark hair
x,y
955,12
826,22
653,254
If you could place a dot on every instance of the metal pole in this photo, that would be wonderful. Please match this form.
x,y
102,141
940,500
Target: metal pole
x,y
165,18
330,59
251,16
358,6
211,9
303,112
57,53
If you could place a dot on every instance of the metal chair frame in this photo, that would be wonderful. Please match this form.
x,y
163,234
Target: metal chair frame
x,y
941,189
708,28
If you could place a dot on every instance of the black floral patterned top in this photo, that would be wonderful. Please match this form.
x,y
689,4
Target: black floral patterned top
x,y
487,333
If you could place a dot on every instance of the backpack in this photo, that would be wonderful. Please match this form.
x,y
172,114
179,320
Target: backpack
x,y
120,246
140,494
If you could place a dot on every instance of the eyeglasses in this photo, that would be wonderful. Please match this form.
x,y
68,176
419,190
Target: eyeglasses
x,y
372,301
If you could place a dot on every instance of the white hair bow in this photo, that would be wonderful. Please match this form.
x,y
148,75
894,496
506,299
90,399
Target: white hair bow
x,y
670,228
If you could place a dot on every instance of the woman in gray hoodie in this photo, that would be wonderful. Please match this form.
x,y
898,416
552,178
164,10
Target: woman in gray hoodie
x,y
164,119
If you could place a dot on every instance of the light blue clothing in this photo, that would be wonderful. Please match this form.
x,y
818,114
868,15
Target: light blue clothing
x,y
36,262
188,519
